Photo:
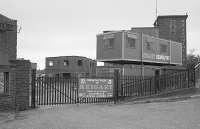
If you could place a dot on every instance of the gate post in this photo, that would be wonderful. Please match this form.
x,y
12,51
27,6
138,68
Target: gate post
x,y
188,74
33,102
116,85
156,83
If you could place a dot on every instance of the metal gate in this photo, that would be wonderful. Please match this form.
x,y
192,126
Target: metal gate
x,y
55,90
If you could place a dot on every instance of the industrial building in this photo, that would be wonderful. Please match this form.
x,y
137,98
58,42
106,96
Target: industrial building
x,y
145,51
70,66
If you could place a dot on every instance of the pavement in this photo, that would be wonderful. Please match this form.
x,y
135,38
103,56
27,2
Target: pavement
x,y
6,116
164,99
174,112
8,120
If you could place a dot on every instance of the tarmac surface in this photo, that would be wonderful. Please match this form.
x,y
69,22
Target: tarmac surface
x,y
176,114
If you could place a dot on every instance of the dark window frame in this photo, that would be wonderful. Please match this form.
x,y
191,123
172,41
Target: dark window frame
x,y
173,26
109,43
4,82
66,62
80,63
149,46
50,63
131,43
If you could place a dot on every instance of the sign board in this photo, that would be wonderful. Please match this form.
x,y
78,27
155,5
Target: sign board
x,y
153,56
95,88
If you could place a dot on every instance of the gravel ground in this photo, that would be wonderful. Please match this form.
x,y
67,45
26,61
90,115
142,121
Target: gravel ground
x,y
164,115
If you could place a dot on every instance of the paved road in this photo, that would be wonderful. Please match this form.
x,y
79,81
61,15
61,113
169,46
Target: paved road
x,y
164,115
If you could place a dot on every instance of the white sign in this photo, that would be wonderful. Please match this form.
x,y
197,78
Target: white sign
x,y
153,56
108,36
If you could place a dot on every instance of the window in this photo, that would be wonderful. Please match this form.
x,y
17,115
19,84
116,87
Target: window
x,y
50,63
163,48
4,81
109,43
66,63
173,26
148,45
90,64
80,63
131,42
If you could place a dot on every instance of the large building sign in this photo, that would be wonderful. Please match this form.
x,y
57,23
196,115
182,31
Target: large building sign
x,y
95,88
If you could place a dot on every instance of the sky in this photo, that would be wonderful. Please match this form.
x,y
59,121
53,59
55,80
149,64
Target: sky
x,y
69,27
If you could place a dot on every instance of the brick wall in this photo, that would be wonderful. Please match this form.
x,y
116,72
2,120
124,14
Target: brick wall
x,y
7,100
11,41
8,39
22,83
19,86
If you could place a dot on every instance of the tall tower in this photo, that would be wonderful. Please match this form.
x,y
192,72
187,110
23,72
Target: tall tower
x,y
173,27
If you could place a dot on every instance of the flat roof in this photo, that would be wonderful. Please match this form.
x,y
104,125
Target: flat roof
x,y
5,19
138,62
170,16
71,57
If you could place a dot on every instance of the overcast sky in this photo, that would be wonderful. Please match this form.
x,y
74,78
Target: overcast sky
x,y
69,27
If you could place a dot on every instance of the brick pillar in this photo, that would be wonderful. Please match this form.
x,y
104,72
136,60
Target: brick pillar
x,y
22,83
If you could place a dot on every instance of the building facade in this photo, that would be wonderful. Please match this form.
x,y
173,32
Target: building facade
x,y
70,66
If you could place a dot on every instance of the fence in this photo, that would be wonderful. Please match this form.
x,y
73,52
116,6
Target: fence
x,y
133,86
57,90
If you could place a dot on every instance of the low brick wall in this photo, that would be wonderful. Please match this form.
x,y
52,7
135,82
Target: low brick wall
x,y
19,86
6,102
7,99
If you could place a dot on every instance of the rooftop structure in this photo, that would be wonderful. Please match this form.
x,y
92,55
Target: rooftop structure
x,y
129,47
70,66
